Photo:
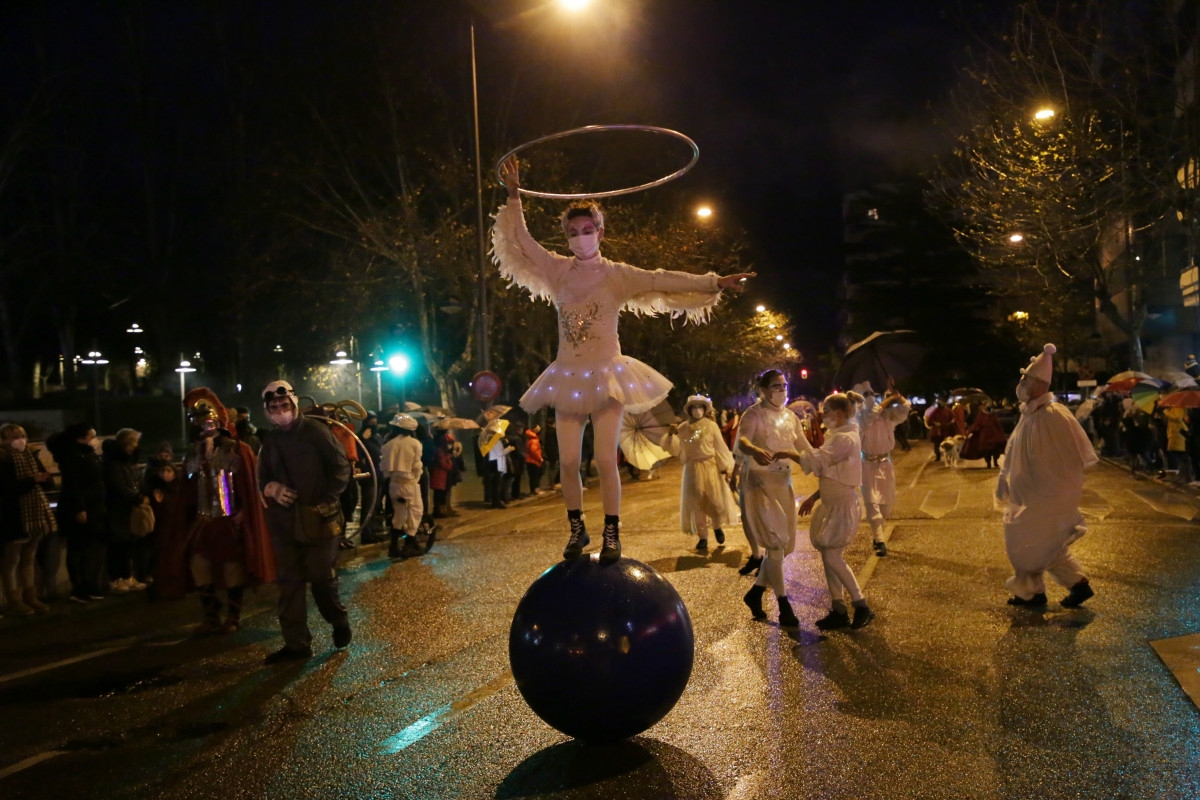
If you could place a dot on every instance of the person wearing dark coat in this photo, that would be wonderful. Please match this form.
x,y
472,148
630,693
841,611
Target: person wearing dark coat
x,y
122,491
81,509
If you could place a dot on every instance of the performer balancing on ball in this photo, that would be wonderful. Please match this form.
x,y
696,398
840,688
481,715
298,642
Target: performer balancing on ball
x,y
590,377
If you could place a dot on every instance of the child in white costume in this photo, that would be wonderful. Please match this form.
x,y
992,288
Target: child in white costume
x,y
767,430
707,465
877,429
590,376
400,463
838,465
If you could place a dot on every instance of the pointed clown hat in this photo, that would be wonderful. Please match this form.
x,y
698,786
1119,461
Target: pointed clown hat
x,y
1041,366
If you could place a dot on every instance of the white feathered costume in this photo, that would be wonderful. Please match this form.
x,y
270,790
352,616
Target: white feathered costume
x,y
704,493
589,295
1041,484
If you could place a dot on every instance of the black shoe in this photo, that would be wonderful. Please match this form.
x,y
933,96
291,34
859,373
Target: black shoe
x,y
752,564
1079,593
880,549
579,538
342,635
862,617
837,618
433,532
720,535
753,599
611,549
787,617
702,545
287,654
1038,600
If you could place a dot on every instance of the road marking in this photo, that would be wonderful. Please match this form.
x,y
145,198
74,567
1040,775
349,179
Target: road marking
x,y
1164,502
431,722
869,568
29,762
940,502
12,676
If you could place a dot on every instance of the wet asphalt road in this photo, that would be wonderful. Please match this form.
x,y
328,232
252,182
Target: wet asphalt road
x,y
950,693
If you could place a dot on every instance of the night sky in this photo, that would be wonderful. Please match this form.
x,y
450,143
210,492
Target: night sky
x,y
792,103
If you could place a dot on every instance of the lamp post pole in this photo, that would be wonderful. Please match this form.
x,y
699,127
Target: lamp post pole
x,y
183,369
484,360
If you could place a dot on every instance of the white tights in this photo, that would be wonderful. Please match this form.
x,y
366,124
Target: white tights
x,y
839,575
770,573
606,427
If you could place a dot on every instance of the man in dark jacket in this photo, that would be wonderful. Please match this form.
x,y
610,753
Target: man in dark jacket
x,y
81,510
301,464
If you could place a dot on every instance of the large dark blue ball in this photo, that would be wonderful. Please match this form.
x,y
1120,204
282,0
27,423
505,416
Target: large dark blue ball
x,y
601,651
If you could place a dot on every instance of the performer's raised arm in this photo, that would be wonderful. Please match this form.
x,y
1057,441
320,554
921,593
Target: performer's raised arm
x,y
521,259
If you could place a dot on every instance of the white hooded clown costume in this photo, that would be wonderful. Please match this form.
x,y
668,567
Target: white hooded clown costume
x,y
705,495
400,462
1041,484
877,429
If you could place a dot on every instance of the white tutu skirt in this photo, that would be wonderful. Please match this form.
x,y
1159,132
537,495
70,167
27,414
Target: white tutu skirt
x,y
835,520
580,390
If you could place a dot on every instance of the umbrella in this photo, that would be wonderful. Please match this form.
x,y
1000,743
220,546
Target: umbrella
x,y
409,405
1188,398
492,435
964,391
1124,381
880,357
641,433
456,424
1144,395
489,414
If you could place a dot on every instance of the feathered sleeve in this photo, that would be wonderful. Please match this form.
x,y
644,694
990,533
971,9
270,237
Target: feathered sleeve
x,y
519,256
662,291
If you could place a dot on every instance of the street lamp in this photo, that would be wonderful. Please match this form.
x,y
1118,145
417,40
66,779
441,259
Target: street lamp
x,y
183,369
95,360
484,356
135,328
1044,114
704,212
340,360
1016,238
760,309
379,368
399,364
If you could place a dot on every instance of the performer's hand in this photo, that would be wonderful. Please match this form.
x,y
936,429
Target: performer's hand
x,y
510,174
1002,489
158,495
672,429
792,454
734,282
762,458
281,494
807,506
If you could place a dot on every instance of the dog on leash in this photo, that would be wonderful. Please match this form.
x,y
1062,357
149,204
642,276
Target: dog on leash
x,y
951,446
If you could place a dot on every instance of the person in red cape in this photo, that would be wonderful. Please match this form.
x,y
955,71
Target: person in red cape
x,y
216,536
985,438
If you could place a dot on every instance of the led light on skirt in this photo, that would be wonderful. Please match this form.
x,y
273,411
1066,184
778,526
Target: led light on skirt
x,y
601,652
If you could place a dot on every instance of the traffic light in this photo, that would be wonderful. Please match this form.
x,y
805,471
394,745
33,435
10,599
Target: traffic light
x,y
804,374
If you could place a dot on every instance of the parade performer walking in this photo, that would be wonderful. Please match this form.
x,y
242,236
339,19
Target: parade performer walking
x,y
835,522
1041,485
877,423
590,376
768,429
941,424
400,462
707,466
215,536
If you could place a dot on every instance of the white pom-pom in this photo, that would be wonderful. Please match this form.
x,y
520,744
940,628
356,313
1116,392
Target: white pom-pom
x,y
1051,349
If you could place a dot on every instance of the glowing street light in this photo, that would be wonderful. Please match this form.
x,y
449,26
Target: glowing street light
x,y
341,359
183,369
1044,113
135,328
574,5
400,364
760,309
779,337
704,212
1016,238
379,368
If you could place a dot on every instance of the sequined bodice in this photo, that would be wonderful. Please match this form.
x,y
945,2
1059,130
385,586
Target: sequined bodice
x,y
587,317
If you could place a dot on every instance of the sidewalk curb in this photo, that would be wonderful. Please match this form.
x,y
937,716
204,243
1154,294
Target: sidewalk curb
x,y
1183,488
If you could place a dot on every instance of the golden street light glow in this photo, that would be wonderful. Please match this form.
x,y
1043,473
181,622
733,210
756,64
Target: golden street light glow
x,y
787,346
1018,316
779,337
760,309
1044,113
1016,238
574,5
704,212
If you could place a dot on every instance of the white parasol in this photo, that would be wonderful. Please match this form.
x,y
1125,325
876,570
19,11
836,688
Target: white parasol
x,y
641,433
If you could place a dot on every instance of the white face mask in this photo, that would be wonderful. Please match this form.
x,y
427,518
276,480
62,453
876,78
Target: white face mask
x,y
19,444
697,413
283,419
777,397
585,245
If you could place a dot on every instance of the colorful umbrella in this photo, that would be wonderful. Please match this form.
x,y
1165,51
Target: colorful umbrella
x,y
1188,398
1144,395
492,435
489,414
1124,381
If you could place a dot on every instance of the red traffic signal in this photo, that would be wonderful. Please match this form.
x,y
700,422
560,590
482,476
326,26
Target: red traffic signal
x,y
804,374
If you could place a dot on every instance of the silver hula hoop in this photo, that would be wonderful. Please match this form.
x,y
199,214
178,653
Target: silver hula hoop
x,y
611,192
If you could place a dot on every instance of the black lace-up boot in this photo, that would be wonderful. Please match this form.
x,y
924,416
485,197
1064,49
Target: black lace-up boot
x,y
579,538
611,551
